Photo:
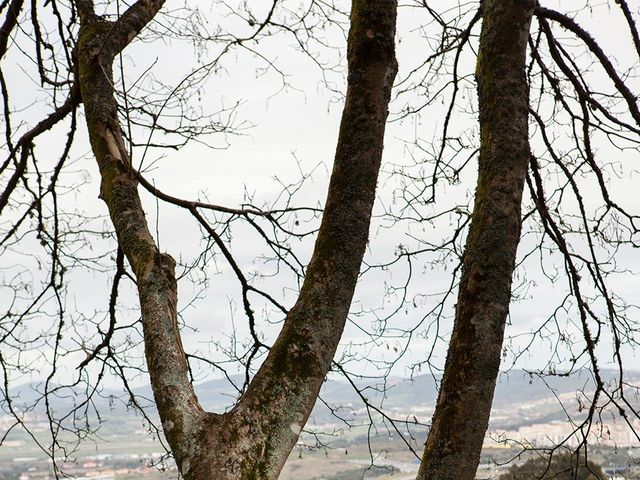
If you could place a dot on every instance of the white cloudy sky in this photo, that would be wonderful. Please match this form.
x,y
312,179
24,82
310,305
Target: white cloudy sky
x,y
296,128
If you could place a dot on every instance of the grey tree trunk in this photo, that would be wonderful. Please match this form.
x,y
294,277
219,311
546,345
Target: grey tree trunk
x,y
254,439
460,421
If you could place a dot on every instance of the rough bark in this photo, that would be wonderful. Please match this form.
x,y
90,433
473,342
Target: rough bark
x,y
460,421
99,42
270,416
254,439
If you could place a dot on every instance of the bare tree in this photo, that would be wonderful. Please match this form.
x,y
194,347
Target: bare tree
x,y
507,170
543,181
253,439
473,362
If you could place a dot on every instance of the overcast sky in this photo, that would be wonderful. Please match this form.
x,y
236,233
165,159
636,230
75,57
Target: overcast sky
x,y
284,131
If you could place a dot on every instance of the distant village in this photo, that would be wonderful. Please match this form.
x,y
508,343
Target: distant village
x,y
140,462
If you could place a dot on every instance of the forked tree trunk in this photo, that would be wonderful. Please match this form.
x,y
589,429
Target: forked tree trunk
x,y
462,412
254,439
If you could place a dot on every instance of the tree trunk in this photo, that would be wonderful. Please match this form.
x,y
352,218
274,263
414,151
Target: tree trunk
x,y
254,439
280,398
462,412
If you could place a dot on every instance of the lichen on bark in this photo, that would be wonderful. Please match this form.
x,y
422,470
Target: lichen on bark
x,y
453,447
254,439
281,396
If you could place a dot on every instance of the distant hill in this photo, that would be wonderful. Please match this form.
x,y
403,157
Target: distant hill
x,y
401,395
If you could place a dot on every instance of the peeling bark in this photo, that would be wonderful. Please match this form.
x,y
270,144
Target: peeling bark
x,y
254,439
462,412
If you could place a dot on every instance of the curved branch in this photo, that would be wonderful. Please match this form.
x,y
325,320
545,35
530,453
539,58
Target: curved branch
x,y
9,24
589,41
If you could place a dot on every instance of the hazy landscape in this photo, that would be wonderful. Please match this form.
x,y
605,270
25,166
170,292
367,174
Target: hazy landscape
x,y
527,411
